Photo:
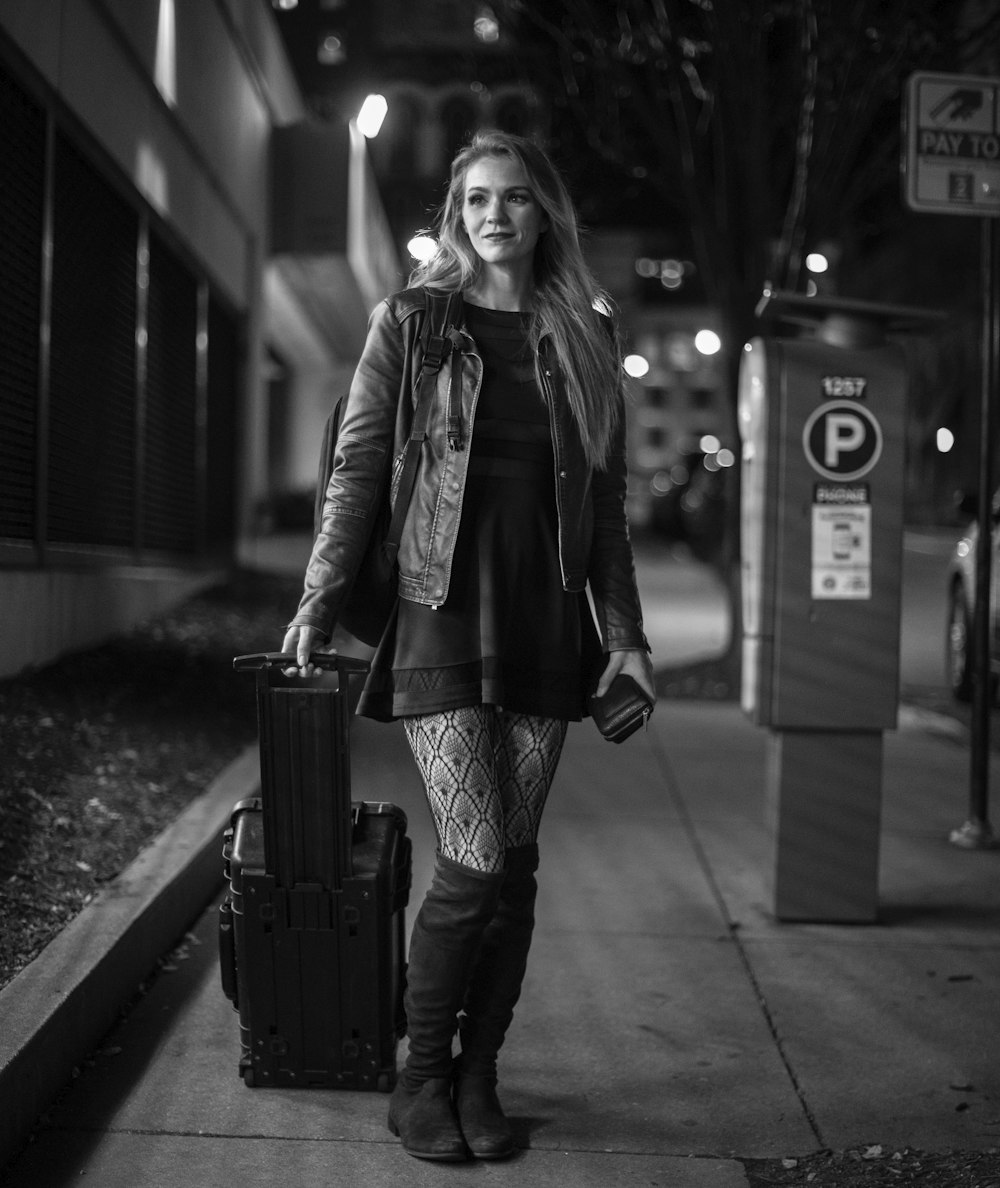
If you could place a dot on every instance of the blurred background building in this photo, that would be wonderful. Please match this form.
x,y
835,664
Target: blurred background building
x,y
175,321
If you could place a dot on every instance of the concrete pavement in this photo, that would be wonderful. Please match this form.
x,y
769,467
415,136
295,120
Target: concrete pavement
x,y
669,1026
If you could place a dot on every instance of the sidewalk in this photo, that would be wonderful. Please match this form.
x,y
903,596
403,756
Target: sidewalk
x,y
668,1027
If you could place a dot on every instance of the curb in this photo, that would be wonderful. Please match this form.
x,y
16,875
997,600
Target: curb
x,y
57,1010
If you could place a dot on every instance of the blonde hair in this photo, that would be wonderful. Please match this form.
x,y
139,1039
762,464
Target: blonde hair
x,y
566,297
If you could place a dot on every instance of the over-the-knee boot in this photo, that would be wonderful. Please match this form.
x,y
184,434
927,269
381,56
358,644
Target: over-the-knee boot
x,y
494,989
443,945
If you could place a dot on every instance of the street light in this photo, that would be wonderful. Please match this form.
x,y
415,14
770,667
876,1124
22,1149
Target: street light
x,y
422,247
371,115
708,342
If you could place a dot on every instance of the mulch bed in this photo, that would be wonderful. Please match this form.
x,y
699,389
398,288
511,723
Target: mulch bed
x,y
876,1166
103,749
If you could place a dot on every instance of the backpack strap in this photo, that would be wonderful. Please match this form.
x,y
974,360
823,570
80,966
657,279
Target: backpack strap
x,y
454,424
442,338
435,341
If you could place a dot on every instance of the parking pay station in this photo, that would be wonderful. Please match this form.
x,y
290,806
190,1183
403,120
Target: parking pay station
x,y
822,423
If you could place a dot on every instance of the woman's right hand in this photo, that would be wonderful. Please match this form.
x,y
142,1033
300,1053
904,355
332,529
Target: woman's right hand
x,y
302,641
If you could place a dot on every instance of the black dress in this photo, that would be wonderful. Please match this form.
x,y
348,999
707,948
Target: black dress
x,y
508,634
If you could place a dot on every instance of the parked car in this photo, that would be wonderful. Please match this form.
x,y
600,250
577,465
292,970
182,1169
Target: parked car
x,y
962,601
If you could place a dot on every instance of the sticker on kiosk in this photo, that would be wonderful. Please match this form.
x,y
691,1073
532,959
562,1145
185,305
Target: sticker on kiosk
x,y
842,442
842,550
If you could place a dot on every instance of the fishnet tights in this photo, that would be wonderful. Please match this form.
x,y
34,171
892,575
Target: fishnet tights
x,y
487,774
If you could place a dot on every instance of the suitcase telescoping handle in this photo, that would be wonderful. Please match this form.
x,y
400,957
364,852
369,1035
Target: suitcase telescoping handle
x,y
328,660
305,769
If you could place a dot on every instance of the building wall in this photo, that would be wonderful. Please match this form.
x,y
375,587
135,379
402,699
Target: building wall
x,y
136,423
333,261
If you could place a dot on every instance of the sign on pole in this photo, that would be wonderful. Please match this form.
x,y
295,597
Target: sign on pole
x,y
952,155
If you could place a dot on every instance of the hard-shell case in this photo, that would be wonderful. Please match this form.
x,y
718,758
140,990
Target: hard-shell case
x,y
312,930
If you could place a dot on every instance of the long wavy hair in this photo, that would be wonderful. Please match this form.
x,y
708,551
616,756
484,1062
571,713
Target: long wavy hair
x,y
566,298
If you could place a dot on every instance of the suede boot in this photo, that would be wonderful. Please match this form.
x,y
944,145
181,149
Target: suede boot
x,y
444,942
494,989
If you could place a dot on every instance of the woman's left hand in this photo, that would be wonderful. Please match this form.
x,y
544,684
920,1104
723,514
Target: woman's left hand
x,y
634,663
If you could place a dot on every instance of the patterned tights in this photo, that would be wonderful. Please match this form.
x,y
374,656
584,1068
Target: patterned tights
x,y
487,774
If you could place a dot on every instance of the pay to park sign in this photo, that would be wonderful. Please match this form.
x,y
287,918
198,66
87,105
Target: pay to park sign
x,y
952,156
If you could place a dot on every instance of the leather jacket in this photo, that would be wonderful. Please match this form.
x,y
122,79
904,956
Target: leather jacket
x,y
594,542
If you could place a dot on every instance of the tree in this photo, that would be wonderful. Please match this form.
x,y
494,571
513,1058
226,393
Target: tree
x,y
763,125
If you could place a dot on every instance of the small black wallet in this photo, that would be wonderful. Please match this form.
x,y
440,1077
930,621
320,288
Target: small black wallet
x,y
622,710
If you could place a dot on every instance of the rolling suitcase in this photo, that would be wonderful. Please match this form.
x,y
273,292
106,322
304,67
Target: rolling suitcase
x,y
312,930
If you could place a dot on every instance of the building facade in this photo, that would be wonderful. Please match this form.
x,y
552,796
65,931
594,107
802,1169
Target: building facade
x,y
144,312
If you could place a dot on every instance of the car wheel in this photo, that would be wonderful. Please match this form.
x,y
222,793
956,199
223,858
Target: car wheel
x,y
959,638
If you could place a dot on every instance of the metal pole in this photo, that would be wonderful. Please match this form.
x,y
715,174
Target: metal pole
x,y
977,833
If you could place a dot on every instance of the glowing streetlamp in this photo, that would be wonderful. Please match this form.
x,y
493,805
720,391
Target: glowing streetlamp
x,y
707,342
635,366
422,247
371,115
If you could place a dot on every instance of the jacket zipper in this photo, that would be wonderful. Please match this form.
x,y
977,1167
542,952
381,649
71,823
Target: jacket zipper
x,y
557,472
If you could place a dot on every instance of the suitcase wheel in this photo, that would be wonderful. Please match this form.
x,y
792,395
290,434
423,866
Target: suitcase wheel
x,y
384,1083
248,1078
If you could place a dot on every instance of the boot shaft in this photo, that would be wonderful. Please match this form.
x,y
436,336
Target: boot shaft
x,y
495,984
446,938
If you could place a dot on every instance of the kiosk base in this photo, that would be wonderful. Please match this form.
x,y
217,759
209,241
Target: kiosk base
x,y
824,793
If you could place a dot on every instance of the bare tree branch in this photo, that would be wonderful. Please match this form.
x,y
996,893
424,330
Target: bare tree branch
x,y
762,121
790,249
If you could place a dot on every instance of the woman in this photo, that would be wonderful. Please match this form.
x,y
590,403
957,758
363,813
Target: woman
x,y
492,648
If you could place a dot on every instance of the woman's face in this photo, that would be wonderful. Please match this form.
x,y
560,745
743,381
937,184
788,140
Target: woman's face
x,y
500,212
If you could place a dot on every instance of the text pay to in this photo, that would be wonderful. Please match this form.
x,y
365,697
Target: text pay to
x,y
841,551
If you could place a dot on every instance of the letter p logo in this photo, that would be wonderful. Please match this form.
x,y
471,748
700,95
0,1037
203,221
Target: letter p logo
x,y
842,440
844,432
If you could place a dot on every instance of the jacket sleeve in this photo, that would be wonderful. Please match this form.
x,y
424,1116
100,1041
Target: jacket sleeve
x,y
611,572
360,474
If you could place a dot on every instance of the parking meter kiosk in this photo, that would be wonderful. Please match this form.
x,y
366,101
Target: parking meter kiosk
x,y
822,424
